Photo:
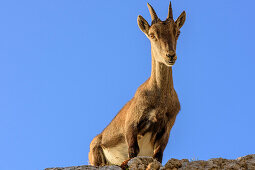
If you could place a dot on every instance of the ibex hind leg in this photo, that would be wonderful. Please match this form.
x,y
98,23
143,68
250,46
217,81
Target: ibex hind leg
x,y
96,154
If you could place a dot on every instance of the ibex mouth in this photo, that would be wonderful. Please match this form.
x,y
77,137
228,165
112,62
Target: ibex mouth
x,y
170,63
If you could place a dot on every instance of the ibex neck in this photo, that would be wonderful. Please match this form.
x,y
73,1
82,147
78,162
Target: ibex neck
x,y
161,76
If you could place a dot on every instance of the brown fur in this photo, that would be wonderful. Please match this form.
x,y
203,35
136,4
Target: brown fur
x,y
154,107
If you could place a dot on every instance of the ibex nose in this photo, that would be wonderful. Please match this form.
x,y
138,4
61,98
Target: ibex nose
x,y
171,56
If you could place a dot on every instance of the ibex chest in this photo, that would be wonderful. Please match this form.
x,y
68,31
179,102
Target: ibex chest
x,y
156,115
152,122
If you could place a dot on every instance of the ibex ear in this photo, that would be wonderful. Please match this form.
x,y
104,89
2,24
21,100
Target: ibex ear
x,y
181,20
143,24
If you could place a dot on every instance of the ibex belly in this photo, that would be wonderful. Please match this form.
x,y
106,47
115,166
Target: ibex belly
x,y
119,153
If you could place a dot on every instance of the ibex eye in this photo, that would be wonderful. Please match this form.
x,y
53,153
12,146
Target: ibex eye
x,y
152,36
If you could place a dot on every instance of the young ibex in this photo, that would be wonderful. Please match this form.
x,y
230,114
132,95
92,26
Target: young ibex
x,y
142,127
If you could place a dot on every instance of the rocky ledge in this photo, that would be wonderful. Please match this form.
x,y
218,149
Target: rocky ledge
x,y
148,163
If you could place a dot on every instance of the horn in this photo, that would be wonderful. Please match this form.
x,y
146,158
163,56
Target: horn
x,y
170,12
152,12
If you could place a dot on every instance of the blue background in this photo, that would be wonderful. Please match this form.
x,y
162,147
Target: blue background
x,y
67,68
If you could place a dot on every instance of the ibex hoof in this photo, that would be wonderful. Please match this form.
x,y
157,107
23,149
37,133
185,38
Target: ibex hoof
x,y
124,164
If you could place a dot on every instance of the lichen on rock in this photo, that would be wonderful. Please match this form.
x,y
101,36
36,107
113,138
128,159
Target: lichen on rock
x,y
148,163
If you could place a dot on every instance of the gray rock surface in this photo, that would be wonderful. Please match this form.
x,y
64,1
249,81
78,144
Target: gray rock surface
x,y
148,163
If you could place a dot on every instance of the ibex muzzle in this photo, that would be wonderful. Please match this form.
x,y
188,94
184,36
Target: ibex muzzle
x,y
143,125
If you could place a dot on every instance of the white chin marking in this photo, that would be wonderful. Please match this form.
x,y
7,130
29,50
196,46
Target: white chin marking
x,y
168,65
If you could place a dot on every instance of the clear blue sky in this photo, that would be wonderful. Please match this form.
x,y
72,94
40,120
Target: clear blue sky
x,y
67,67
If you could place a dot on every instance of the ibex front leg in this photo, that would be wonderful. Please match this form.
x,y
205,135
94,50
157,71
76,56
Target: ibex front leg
x,y
133,148
131,137
160,145
162,140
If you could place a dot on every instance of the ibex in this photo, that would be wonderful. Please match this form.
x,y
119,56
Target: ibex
x,y
142,127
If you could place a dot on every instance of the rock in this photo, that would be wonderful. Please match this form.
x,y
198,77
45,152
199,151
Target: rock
x,y
144,163
148,163
87,167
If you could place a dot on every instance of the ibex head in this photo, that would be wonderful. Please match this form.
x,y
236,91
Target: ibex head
x,y
163,35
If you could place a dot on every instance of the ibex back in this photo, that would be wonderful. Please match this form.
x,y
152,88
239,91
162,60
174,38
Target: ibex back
x,y
143,125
